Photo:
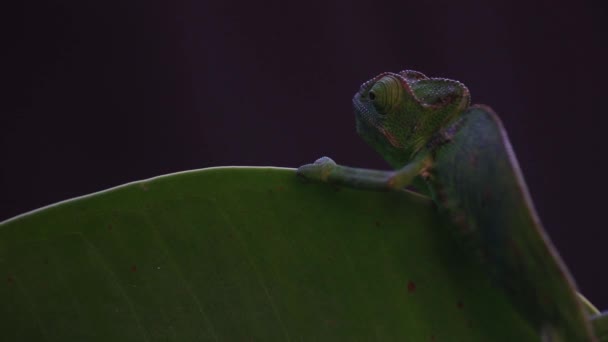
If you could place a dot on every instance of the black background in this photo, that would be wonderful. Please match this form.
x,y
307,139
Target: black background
x,y
101,93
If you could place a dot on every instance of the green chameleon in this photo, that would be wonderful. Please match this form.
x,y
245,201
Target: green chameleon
x,y
425,128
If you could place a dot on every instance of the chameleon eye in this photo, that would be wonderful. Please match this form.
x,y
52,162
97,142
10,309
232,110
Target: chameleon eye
x,y
378,96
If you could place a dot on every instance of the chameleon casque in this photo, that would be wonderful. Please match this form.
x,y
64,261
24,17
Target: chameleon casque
x,y
425,128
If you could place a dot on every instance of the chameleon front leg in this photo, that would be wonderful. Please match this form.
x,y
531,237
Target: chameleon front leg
x,y
326,170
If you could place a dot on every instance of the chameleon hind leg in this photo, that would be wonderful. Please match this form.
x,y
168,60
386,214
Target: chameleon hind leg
x,y
326,170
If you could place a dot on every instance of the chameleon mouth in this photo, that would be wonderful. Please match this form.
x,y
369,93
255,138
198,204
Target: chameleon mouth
x,y
359,107
367,126
362,114
361,111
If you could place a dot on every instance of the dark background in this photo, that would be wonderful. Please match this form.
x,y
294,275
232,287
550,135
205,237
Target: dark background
x,y
97,94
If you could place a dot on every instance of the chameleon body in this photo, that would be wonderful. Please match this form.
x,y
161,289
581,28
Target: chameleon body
x,y
425,128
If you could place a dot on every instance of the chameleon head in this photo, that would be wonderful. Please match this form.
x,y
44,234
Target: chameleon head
x,y
398,113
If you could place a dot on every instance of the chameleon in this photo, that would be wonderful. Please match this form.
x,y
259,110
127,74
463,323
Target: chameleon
x,y
460,155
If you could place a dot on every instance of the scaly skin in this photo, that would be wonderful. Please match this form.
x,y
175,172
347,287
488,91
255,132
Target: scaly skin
x,y
425,128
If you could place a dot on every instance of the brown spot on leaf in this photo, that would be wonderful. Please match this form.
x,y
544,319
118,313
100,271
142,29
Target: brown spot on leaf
x,y
433,338
110,227
133,268
280,188
411,286
10,279
377,223
330,322
144,186
460,304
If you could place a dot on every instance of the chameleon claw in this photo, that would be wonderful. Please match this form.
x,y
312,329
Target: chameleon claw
x,y
318,171
325,161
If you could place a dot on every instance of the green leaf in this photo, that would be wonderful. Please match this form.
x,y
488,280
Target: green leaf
x,y
244,254
600,326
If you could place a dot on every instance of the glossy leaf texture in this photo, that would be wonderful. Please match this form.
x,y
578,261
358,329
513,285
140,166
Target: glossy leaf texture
x,y
244,254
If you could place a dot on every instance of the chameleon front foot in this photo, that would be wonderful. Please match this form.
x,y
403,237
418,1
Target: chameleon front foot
x,y
327,171
317,171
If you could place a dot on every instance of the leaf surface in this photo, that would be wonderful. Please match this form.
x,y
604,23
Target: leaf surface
x,y
244,254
